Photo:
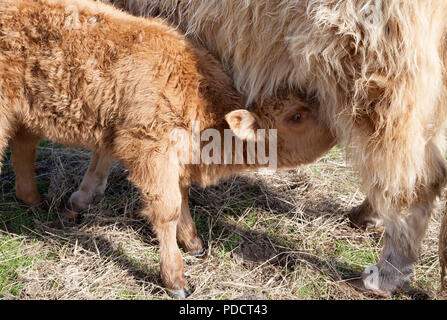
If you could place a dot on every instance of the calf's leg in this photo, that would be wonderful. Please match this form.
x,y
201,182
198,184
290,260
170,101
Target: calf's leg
x,y
23,152
186,229
158,182
6,127
93,184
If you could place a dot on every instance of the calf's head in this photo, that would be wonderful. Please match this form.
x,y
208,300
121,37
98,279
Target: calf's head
x,y
301,136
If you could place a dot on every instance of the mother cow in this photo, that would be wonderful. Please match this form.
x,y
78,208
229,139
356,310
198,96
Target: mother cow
x,y
375,64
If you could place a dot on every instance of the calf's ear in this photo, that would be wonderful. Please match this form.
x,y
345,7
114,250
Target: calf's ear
x,y
243,123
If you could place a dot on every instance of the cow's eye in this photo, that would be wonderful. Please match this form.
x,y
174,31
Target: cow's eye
x,y
297,117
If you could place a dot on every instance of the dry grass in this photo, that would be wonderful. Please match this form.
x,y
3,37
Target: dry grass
x,y
270,236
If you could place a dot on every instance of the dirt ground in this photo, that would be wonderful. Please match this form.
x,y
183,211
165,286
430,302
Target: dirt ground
x,y
281,235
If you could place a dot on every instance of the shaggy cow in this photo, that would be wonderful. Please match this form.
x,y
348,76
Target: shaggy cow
x,y
375,66
134,89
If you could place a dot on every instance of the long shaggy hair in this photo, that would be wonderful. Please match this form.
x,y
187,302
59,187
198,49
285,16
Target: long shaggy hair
x,y
376,66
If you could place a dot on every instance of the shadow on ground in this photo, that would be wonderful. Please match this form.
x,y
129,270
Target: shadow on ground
x,y
215,209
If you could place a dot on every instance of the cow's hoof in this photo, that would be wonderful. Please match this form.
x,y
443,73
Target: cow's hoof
x,y
387,281
180,294
364,217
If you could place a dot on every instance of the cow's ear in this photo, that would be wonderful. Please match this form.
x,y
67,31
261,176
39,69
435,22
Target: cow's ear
x,y
243,123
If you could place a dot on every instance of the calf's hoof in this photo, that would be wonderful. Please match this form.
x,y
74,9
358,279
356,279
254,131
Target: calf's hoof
x,y
198,253
194,246
32,200
80,200
180,294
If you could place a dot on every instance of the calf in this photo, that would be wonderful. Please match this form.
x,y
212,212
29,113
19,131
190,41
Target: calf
x,y
84,74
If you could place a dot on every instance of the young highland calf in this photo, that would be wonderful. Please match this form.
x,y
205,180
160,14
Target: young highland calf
x,y
375,66
85,74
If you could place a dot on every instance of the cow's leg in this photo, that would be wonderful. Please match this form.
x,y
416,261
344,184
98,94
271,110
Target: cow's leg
x,y
186,229
159,184
23,152
93,184
443,249
405,230
443,270
363,216
402,240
